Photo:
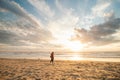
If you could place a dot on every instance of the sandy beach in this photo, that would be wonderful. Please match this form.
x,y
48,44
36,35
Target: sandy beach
x,y
29,69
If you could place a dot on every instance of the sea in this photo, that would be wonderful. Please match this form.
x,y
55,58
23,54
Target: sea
x,y
74,56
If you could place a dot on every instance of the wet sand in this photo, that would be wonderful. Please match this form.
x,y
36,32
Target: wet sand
x,y
29,69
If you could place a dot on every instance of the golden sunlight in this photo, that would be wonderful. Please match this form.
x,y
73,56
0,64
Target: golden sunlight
x,y
76,57
75,46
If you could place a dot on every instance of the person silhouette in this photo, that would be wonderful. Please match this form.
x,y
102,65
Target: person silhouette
x,y
52,57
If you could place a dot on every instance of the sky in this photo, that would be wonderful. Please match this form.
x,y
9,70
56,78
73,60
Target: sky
x,y
60,25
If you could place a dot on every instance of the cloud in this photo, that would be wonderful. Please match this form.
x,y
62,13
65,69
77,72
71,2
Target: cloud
x,y
100,13
42,7
20,32
2,10
109,16
99,34
7,37
99,9
63,9
18,10
25,29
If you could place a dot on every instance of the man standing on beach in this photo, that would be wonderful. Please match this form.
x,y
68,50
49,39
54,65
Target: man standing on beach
x,y
52,57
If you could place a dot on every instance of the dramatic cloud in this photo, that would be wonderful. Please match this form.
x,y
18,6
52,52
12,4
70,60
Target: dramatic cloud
x,y
26,28
99,27
7,37
99,34
14,33
18,10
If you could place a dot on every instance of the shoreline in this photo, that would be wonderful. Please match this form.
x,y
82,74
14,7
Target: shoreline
x,y
87,59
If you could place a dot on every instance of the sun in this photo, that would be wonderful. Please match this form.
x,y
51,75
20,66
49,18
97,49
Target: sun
x,y
68,45
74,46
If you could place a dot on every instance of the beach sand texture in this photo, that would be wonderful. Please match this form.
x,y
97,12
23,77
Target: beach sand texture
x,y
28,69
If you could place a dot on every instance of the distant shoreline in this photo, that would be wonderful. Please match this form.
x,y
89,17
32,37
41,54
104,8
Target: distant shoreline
x,y
58,60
